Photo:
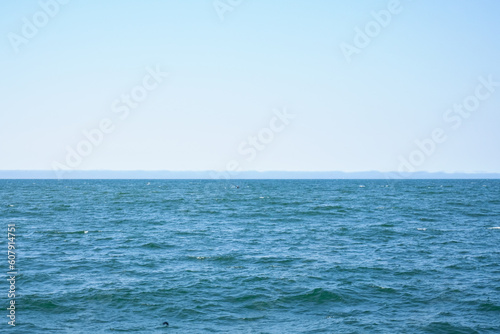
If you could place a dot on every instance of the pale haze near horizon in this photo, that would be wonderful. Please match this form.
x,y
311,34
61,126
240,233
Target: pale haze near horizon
x,y
227,79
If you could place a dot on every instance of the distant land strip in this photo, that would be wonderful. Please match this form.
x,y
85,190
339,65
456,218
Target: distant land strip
x,y
250,175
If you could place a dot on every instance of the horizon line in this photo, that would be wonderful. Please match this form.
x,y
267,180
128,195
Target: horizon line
x,y
225,175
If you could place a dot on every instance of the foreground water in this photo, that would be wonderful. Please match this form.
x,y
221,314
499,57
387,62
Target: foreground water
x,y
336,256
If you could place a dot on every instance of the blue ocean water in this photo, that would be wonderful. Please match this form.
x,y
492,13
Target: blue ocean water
x,y
272,256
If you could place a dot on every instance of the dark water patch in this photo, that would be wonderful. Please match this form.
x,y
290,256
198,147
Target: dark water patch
x,y
328,207
445,327
314,296
427,219
47,305
153,245
490,307
61,207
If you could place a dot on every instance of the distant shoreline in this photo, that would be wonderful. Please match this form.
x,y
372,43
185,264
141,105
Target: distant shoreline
x,y
247,175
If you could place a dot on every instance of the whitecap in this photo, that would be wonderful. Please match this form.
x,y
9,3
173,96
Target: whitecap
x,y
494,228
421,229
85,232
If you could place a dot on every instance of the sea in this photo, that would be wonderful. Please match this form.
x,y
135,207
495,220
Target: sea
x,y
252,256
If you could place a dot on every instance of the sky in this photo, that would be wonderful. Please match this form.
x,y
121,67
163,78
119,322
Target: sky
x,y
317,85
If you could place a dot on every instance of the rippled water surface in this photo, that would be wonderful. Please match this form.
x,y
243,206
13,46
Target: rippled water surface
x,y
325,256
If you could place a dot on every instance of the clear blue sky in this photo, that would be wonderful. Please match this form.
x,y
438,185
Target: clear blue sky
x,y
225,78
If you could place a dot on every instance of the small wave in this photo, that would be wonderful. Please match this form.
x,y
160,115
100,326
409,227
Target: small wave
x,y
476,214
253,318
318,295
42,304
247,298
384,289
62,207
154,245
275,260
63,233
329,207
219,258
